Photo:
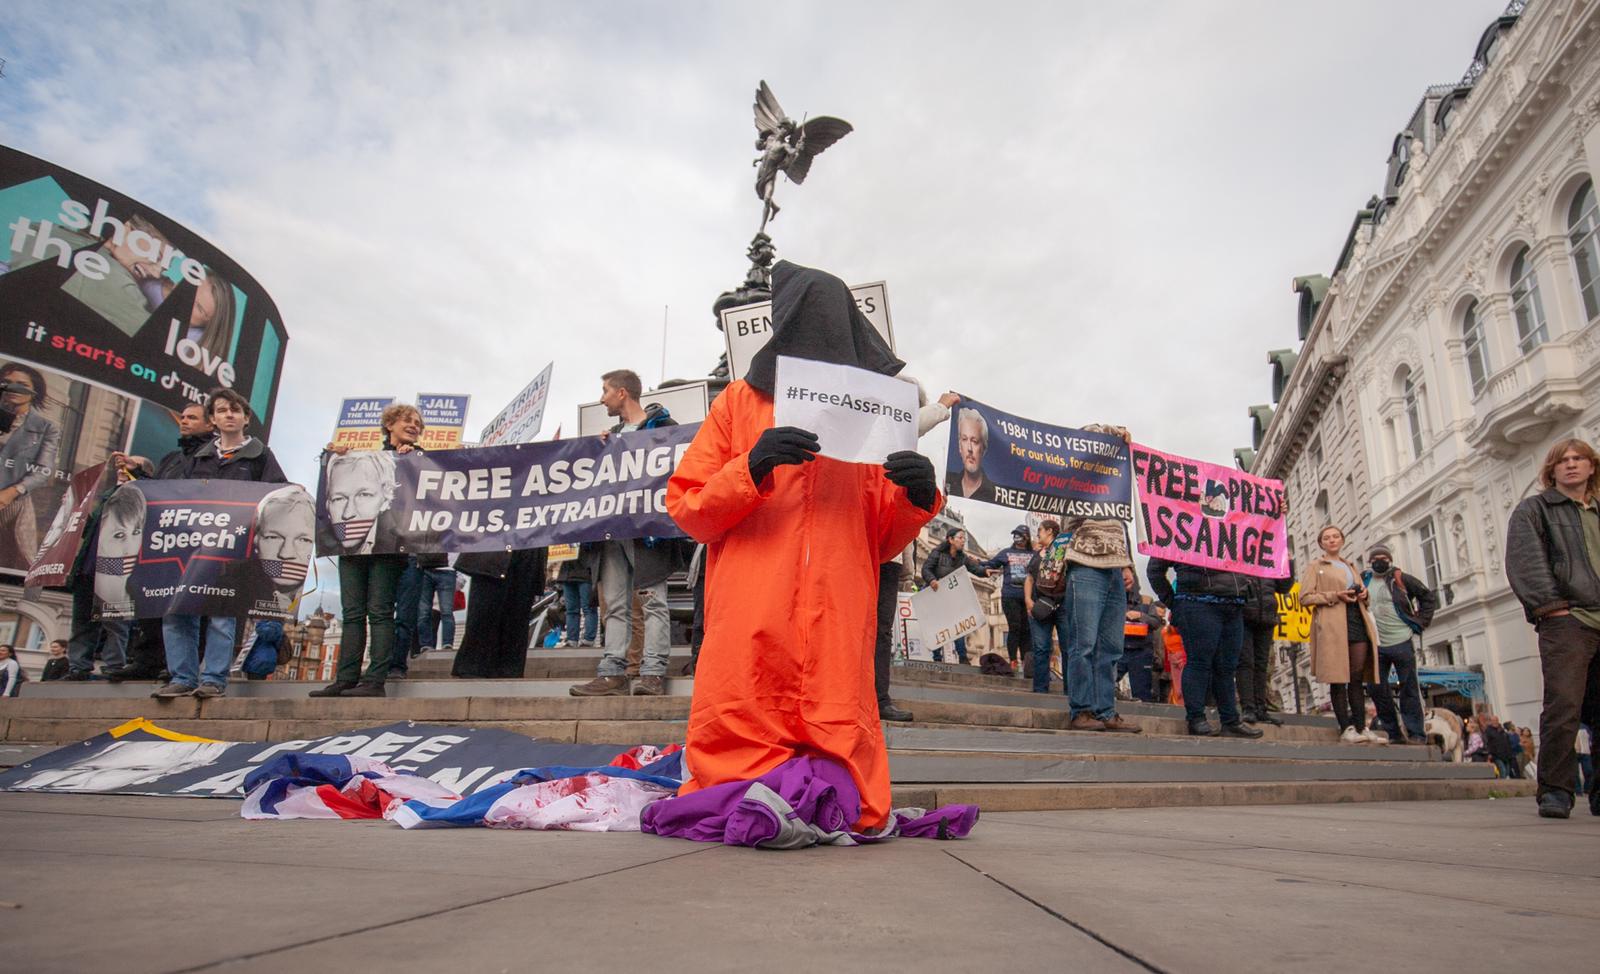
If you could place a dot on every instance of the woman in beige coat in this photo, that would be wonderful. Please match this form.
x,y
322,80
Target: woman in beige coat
x,y
1342,636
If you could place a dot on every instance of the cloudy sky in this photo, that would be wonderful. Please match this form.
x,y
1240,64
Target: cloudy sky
x,y
1084,211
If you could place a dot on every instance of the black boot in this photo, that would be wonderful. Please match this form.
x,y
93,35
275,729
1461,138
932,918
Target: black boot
x,y
1241,729
365,689
335,689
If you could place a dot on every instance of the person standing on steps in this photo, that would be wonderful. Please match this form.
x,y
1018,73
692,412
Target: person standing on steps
x,y
1044,595
1342,636
1012,563
1402,606
1208,607
1260,622
945,560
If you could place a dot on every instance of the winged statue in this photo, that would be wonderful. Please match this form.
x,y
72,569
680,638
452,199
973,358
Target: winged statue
x,y
787,146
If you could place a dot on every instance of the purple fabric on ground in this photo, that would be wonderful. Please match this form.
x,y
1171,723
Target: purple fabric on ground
x,y
820,792
947,822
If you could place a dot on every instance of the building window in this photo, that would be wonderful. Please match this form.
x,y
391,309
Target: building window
x,y
1321,509
1411,393
1316,456
1477,352
1582,224
1428,542
1525,304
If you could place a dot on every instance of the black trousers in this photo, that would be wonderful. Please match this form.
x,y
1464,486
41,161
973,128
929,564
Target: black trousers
x,y
499,612
1019,635
1251,675
888,592
1569,654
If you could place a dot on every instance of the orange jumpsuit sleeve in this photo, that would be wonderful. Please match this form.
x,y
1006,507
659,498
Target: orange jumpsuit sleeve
x,y
899,520
712,491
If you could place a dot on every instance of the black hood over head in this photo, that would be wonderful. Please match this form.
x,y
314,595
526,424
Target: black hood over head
x,y
814,317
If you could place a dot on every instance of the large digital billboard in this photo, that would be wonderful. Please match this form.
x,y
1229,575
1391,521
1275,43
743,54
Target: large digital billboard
x,y
113,317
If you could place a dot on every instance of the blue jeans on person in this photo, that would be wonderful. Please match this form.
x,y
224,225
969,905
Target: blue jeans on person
x,y
961,651
181,636
1097,601
1213,633
1585,774
438,584
407,609
1139,665
1402,659
1061,625
576,594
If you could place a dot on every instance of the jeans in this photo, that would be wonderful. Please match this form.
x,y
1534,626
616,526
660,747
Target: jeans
x,y
181,635
576,595
1097,601
1402,658
408,616
1251,676
1212,634
440,584
366,602
1039,635
110,636
1569,655
616,588
961,651
1585,773
1139,665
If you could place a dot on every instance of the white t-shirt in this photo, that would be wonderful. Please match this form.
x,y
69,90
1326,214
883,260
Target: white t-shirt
x,y
10,677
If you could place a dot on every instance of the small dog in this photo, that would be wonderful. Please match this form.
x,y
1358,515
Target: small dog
x,y
1443,729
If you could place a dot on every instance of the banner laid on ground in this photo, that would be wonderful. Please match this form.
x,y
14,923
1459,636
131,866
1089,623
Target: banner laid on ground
x,y
1198,513
1032,466
1294,619
359,426
949,612
858,416
528,495
59,549
444,419
203,547
520,421
748,328
151,762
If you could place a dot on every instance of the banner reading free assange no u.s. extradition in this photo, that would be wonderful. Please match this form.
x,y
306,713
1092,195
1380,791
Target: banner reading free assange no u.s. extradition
x,y
202,547
1198,513
525,495
1033,466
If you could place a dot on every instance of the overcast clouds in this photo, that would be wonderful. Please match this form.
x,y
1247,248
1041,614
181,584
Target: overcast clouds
x,y
1085,212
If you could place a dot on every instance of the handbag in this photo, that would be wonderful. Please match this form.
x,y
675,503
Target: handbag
x,y
1044,607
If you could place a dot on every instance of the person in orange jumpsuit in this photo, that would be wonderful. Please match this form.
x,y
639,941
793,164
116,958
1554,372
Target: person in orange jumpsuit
x,y
793,544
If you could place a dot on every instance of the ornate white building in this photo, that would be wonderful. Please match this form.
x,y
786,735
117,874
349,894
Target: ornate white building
x,y
1457,337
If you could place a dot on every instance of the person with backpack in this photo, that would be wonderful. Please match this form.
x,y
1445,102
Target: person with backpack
x,y
1044,594
1402,606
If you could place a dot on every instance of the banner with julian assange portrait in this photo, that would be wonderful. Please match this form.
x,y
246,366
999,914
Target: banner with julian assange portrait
x,y
203,547
1036,467
496,498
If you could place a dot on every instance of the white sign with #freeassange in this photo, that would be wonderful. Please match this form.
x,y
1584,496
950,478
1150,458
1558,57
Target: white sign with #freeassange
x,y
859,416
948,612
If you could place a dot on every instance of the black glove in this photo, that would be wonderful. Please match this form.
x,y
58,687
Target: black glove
x,y
914,472
779,447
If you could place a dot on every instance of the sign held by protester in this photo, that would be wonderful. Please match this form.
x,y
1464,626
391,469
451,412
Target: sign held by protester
x,y
1294,619
523,416
360,423
53,566
687,403
202,547
747,329
1198,513
1035,467
949,612
859,416
527,495
444,418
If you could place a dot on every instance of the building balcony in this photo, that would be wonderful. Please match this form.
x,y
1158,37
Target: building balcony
x,y
1523,402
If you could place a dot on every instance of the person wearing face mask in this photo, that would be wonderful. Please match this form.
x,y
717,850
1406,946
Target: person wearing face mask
x,y
1402,606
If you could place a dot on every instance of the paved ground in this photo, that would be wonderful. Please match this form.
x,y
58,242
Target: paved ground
x,y
149,884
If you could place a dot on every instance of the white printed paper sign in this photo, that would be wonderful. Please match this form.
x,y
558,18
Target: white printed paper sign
x,y
948,612
859,416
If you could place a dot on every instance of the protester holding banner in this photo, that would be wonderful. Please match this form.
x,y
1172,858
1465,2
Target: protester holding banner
x,y
194,432
794,543
29,447
367,582
947,559
634,565
109,637
1208,609
232,455
1260,622
1044,594
1013,563
1342,636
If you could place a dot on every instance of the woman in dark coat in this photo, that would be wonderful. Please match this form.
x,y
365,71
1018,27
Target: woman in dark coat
x,y
505,584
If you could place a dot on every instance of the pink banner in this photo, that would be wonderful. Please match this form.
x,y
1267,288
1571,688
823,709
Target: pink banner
x,y
1199,513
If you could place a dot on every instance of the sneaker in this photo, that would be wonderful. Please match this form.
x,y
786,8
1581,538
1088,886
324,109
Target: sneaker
x,y
1242,729
365,689
205,691
1086,721
1352,736
334,689
1117,724
169,690
449,648
1555,804
650,686
1375,737
601,686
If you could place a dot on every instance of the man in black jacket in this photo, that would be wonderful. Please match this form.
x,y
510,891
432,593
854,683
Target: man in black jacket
x,y
1260,623
1402,606
1553,565
194,431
